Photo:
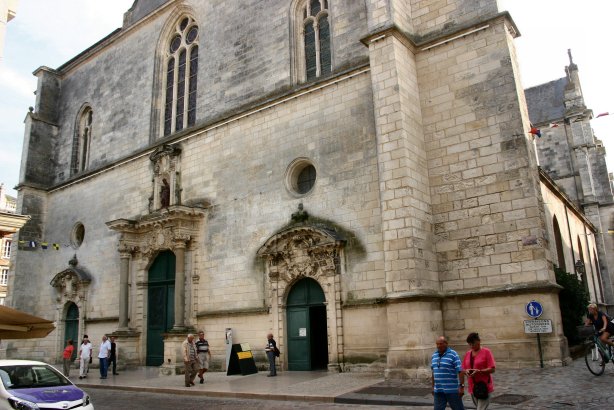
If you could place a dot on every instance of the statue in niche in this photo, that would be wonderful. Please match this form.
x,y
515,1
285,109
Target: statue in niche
x,y
165,194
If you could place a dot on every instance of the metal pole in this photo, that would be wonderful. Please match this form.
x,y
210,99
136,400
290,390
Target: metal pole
x,y
539,346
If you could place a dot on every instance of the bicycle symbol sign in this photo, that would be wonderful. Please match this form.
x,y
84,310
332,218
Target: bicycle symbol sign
x,y
534,309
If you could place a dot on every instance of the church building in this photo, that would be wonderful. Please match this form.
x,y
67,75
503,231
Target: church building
x,y
355,177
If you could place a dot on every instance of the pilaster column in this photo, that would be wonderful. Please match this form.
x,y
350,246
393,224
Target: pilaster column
x,y
179,250
124,271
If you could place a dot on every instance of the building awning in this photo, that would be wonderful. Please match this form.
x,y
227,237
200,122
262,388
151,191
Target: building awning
x,y
15,324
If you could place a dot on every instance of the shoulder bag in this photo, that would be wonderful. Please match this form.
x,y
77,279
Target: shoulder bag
x,y
480,389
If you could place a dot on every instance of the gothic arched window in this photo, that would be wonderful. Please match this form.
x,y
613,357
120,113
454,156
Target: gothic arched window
x,y
180,76
558,240
314,45
81,142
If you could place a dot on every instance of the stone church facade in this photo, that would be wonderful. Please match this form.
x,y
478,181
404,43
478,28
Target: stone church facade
x,y
356,177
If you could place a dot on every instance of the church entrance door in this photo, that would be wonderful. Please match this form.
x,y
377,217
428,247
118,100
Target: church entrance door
x,y
71,328
306,324
160,302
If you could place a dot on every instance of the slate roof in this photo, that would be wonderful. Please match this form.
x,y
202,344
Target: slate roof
x,y
546,102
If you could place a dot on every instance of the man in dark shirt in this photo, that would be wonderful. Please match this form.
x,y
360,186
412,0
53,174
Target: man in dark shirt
x,y
114,355
204,355
271,345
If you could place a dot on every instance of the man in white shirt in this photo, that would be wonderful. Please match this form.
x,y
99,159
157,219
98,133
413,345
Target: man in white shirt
x,y
103,356
85,355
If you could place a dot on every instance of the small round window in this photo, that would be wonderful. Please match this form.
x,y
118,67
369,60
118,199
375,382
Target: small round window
x,y
301,176
77,235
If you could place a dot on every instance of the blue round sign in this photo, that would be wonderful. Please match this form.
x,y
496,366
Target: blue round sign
x,y
534,309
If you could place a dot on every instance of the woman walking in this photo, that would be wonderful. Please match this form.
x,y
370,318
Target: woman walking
x,y
479,365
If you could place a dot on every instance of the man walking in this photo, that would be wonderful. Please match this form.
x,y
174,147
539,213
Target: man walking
x,y
270,349
204,355
190,360
103,356
446,373
85,356
113,356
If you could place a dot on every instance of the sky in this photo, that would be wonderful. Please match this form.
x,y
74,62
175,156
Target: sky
x,y
50,32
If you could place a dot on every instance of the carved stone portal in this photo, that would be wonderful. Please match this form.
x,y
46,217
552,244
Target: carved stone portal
x,y
306,251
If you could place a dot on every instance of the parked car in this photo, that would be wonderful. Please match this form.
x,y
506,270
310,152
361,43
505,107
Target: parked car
x,y
28,385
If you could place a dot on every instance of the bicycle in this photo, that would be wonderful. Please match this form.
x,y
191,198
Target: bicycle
x,y
597,355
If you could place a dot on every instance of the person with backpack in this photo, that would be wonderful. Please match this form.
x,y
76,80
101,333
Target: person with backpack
x,y
271,352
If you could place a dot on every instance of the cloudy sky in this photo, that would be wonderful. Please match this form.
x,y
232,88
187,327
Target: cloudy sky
x,y
49,33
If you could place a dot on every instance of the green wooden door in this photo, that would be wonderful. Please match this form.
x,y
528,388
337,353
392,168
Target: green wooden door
x,y
71,328
160,305
303,354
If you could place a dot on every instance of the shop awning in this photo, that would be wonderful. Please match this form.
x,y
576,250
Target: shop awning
x,y
15,324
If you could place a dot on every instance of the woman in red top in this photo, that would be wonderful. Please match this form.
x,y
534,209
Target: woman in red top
x,y
479,365
67,356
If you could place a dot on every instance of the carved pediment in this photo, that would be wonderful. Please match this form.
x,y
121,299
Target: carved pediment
x,y
72,281
166,229
302,252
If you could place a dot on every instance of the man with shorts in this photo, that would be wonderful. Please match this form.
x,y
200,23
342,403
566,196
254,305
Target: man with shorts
x,y
204,355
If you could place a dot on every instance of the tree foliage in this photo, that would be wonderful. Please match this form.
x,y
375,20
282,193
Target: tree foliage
x,y
573,300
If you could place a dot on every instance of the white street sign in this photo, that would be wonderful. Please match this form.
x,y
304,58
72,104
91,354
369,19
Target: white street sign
x,y
538,326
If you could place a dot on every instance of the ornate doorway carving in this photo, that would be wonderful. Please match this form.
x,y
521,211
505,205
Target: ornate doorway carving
x,y
306,252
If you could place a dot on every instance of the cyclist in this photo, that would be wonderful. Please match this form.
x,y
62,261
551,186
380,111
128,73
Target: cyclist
x,y
601,322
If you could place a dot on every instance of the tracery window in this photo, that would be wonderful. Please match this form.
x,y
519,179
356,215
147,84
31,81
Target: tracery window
x,y
81,142
315,39
180,79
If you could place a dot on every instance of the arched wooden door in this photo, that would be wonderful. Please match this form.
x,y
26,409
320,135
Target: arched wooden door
x,y
306,326
71,327
160,305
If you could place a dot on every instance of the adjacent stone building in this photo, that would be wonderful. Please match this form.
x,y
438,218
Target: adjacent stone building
x,y
10,222
356,177
574,158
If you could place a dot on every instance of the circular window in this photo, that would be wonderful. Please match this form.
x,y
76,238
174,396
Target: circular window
x,y
301,176
175,43
192,34
77,235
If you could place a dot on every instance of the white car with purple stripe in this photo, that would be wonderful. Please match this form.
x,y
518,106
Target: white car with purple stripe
x,y
28,385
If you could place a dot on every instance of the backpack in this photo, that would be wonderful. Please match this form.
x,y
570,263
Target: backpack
x,y
276,350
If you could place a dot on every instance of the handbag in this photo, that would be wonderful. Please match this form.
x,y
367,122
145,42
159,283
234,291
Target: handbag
x,y
276,350
480,389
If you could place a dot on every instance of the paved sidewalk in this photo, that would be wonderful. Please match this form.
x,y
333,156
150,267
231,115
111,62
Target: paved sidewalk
x,y
550,388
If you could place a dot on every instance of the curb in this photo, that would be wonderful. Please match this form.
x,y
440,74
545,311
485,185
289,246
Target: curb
x,y
196,392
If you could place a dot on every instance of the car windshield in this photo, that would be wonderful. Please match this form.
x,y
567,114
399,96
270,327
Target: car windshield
x,y
28,376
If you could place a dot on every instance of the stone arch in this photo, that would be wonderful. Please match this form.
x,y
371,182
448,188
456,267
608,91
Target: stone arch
x,y
306,252
72,288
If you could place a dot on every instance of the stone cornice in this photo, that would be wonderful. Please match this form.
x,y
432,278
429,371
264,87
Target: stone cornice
x,y
416,42
515,289
233,312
